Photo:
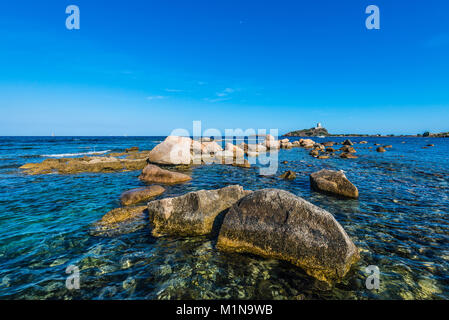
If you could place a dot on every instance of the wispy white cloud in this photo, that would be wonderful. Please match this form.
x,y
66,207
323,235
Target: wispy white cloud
x,y
155,97
174,90
223,95
217,99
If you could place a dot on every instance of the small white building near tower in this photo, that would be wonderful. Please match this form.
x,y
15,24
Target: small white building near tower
x,y
318,125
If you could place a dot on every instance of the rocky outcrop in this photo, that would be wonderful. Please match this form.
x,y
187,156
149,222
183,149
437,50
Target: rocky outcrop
x,y
306,143
154,174
277,224
334,182
193,213
271,143
211,147
84,164
308,132
173,150
236,151
137,195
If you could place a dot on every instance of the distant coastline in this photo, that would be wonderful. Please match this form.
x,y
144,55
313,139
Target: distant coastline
x,y
320,131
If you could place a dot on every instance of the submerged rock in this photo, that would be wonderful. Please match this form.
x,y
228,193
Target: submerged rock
x,y
120,220
152,173
277,224
140,194
334,182
381,149
193,213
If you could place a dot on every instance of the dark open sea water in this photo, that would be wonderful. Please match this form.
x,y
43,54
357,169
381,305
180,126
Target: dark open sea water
x,y
400,223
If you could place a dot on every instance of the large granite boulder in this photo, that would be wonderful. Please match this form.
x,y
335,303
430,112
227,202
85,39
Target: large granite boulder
x,y
334,182
193,213
140,194
307,143
271,143
236,151
277,224
211,147
154,174
173,150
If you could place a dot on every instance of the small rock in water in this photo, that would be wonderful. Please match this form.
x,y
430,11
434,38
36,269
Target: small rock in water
x,y
288,175
152,173
380,149
334,182
140,194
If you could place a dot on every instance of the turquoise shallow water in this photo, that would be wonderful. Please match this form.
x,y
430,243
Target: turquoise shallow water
x,y
400,223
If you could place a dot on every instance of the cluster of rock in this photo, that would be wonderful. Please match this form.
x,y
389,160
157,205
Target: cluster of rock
x,y
325,150
271,223
175,150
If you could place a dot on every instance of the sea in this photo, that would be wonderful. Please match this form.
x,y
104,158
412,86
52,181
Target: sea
x,y
400,223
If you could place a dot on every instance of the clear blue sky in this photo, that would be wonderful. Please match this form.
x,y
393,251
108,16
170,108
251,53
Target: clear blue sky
x,y
147,67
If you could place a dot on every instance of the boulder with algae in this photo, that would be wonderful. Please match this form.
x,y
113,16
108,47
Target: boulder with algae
x,y
277,224
120,220
84,164
193,213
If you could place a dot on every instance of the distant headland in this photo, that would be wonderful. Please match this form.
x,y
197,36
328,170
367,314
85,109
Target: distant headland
x,y
321,131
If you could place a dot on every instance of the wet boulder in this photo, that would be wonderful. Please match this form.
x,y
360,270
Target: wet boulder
x,y
140,194
192,214
333,182
277,224
347,142
381,149
154,174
